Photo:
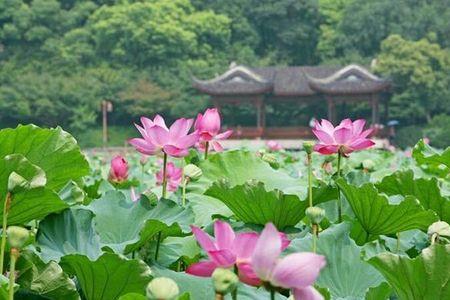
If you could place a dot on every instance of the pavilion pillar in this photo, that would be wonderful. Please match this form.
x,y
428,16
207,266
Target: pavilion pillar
x,y
375,110
260,116
386,111
331,110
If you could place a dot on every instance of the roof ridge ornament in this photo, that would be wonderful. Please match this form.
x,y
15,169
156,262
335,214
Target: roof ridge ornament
x,y
234,71
340,73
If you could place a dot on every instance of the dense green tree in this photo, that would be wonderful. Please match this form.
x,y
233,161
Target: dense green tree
x,y
366,23
420,74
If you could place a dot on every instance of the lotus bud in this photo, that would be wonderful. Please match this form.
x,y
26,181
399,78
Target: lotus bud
x,y
119,170
315,214
271,159
368,164
441,228
224,280
193,172
308,147
162,288
17,236
16,182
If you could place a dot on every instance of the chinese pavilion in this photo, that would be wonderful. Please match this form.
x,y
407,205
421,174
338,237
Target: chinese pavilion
x,y
328,85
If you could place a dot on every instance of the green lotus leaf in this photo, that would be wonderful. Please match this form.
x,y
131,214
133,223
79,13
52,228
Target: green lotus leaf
x,y
238,167
108,277
31,175
426,276
376,216
425,190
431,160
252,203
125,226
53,150
30,199
46,280
70,232
346,275
72,194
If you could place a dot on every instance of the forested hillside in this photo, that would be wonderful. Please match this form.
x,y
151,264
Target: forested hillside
x,y
60,59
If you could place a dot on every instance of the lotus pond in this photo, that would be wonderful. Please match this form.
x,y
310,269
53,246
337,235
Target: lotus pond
x,y
235,224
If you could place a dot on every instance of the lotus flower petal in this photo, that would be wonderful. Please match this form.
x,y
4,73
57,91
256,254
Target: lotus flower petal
x,y
203,269
297,270
307,293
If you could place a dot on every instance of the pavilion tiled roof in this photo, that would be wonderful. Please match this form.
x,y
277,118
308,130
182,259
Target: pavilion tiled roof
x,y
293,81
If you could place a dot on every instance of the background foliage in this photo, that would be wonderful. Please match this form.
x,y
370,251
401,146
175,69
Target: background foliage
x,y
60,58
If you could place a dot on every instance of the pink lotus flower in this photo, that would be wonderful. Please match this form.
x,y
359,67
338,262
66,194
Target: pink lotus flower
x,y
173,175
274,145
297,271
118,171
156,137
228,250
208,128
345,138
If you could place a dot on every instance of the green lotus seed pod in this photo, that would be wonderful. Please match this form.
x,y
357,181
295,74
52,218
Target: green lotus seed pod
x,y
162,288
17,236
368,164
271,159
441,228
224,280
308,147
315,214
193,172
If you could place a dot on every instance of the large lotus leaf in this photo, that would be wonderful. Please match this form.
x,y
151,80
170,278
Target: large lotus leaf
x,y
126,225
109,277
32,200
251,203
425,190
70,232
33,204
431,160
17,163
200,288
133,296
53,150
205,207
376,216
346,275
46,280
72,194
237,167
426,276
381,292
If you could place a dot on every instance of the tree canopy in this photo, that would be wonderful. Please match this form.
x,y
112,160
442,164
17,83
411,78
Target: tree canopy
x,y
60,58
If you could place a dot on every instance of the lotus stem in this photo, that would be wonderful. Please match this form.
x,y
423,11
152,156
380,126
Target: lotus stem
x,y
158,243
315,229
398,243
183,194
206,150
164,183
234,294
12,271
272,294
6,207
339,202
310,179
184,181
